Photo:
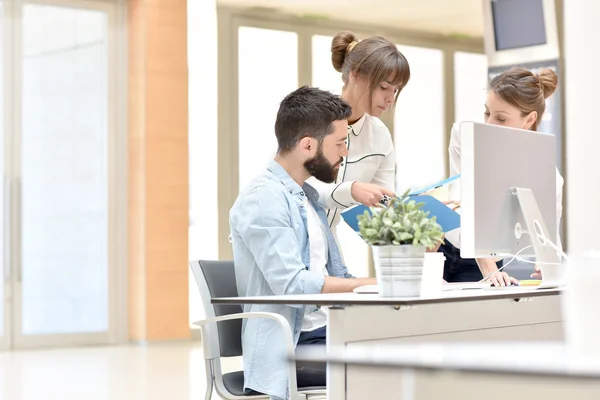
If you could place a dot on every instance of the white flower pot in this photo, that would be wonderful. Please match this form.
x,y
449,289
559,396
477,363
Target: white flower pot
x,y
399,270
399,286
402,251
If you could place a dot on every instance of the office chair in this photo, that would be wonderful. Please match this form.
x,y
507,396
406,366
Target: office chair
x,y
222,334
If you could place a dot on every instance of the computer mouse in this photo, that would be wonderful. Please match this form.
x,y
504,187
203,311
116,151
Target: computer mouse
x,y
512,284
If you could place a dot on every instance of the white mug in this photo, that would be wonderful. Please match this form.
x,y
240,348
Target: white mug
x,y
433,274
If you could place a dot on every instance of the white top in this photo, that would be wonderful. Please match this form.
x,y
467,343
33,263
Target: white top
x,y
317,240
454,157
371,159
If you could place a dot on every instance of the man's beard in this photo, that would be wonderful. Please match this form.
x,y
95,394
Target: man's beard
x,y
321,168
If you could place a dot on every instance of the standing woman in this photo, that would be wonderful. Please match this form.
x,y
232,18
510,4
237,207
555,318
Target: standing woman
x,y
374,72
517,99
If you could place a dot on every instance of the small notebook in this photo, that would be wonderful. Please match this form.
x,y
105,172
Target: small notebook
x,y
367,289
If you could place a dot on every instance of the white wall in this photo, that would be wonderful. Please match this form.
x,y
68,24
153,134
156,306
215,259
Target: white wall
x,y
582,87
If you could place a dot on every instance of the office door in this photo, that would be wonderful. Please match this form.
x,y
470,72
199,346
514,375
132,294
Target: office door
x,y
59,191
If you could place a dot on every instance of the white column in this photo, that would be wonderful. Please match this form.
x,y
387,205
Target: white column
x,y
202,133
582,90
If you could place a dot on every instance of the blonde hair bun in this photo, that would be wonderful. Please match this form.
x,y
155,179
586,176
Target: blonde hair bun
x,y
548,81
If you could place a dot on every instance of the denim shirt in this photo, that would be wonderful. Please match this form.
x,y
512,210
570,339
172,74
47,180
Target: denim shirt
x,y
272,257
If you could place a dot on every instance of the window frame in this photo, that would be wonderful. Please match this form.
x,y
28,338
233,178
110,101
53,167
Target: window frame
x,y
230,19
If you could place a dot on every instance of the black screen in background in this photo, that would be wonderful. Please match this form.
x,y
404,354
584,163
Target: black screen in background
x,y
518,23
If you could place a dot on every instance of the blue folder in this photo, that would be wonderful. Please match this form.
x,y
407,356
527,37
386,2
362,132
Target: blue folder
x,y
436,185
446,217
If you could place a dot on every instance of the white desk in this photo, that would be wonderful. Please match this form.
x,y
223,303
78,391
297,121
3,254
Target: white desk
x,y
459,316
517,371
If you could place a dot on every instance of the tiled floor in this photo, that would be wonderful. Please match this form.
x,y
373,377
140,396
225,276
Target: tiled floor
x,y
167,371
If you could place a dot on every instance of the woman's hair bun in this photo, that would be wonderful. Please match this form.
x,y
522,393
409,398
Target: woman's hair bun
x,y
339,48
548,81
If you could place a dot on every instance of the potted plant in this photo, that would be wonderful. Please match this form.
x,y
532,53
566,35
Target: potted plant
x,y
399,234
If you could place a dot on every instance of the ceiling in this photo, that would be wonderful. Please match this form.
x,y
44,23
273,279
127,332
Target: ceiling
x,y
449,17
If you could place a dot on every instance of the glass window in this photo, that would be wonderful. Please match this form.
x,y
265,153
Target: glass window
x,y
324,76
64,170
470,86
268,71
419,121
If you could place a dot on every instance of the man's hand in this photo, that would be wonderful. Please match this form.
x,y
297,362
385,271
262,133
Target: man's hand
x,y
537,274
452,204
502,279
335,284
487,266
369,194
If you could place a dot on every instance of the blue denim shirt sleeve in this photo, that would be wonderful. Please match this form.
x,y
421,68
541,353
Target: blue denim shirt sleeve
x,y
266,229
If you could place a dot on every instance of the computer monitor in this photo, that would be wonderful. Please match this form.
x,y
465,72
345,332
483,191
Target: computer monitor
x,y
508,186
520,31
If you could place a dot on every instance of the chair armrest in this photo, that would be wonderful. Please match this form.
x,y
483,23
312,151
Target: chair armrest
x,y
287,336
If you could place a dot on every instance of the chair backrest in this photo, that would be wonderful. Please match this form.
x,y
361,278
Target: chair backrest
x,y
217,279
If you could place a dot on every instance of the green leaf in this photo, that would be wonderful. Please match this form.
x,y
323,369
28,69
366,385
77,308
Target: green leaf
x,y
401,222
405,236
371,232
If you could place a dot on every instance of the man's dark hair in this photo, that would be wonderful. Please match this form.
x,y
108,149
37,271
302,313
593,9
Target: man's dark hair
x,y
308,112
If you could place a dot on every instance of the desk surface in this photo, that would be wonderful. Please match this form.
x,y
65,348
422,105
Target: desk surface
x,y
546,359
339,299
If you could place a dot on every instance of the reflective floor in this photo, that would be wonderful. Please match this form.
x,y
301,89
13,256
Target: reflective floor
x,y
155,371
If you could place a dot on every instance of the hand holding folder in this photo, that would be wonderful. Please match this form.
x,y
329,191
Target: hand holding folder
x,y
445,215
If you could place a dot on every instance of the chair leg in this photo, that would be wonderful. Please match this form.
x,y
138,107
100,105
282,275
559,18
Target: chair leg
x,y
210,378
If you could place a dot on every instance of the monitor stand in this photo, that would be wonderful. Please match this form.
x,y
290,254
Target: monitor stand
x,y
545,253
